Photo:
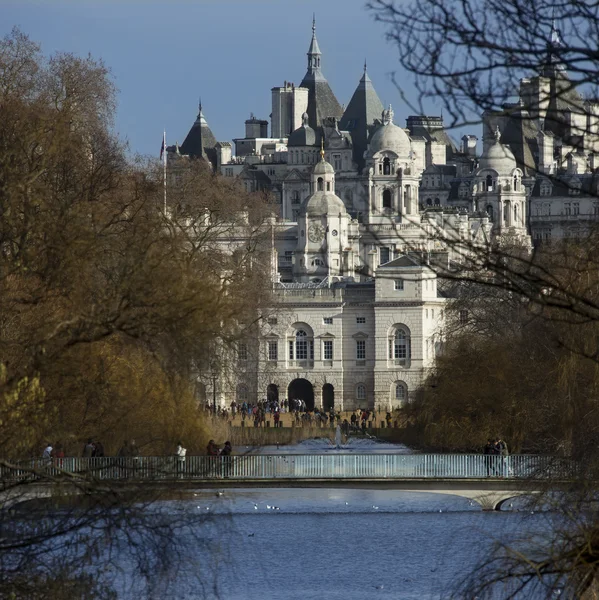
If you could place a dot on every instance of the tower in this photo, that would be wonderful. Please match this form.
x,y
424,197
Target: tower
x,y
322,102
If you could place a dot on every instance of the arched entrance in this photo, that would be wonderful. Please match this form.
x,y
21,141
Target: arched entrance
x,y
301,389
272,393
328,397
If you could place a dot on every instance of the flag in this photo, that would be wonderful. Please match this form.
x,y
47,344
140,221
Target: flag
x,y
163,147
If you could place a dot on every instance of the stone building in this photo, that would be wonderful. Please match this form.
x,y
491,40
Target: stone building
x,y
364,203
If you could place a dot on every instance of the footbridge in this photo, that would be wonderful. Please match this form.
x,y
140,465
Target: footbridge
x,y
488,480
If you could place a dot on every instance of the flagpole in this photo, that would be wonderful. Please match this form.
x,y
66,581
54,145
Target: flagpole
x,y
329,254
164,167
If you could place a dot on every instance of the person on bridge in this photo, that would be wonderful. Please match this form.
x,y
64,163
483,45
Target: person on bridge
x,y
212,448
180,453
502,450
489,452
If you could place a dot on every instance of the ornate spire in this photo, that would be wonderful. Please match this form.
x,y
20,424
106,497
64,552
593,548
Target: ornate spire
x,y
364,66
322,149
497,135
388,116
314,53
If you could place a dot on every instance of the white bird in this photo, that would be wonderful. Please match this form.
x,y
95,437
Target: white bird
x,y
375,507
219,494
379,587
276,508
440,511
347,504
255,507
267,506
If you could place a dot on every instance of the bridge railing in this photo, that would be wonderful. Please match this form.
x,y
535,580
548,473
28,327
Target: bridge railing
x,y
290,466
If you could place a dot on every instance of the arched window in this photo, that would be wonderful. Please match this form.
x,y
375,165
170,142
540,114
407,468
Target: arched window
x,y
429,201
489,183
328,186
506,213
387,199
516,214
490,211
516,183
301,346
400,345
386,166
317,262
320,184
437,202
360,392
242,393
295,197
400,393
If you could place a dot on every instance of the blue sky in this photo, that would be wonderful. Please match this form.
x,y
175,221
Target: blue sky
x,y
164,55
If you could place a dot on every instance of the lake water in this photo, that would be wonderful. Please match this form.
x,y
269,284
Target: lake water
x,y
339,543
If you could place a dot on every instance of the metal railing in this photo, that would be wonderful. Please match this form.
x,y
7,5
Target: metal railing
x,y
311,466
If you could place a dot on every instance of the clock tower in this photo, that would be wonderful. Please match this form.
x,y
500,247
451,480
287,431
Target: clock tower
x,y
323,248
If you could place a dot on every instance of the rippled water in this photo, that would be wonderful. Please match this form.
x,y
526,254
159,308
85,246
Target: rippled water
x,y
334,543
314,544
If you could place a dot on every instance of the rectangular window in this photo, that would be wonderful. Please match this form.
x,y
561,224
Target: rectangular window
x,y
328,320
463,317
290,350
360,320
328,349
384,255
567,209
301,349
360,349
575,208
399,284
242,351
272,320
337,161
273,351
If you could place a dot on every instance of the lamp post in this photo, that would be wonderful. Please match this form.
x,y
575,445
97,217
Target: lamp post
x,y
214,393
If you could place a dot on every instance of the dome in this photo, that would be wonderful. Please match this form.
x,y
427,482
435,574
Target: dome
x,y
303,136
390,137
323,168
325,203
498,157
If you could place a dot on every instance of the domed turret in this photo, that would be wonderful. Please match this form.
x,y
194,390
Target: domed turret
x,y
304,135
389,137
498,158
324,201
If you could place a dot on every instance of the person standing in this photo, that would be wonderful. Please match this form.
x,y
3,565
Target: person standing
x,y
88,449
226,459
488,452
47,453
180,455
503,451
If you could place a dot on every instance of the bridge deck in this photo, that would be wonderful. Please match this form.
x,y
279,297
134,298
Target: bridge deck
x,y
301,468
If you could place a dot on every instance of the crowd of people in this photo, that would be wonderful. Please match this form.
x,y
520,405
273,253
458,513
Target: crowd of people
x,y
266,411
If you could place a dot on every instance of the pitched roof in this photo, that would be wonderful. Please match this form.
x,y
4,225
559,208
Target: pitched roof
x,y
364,108
200,141
401,261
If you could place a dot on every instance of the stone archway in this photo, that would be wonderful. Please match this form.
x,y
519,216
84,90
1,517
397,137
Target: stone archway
x,y
301,389
328,397
272,392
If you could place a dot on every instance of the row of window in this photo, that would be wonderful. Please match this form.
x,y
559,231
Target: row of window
x,y
302,347
569,209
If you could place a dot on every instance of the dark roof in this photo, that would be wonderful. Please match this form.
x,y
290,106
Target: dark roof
x,y
443,169
401,261
200,141
520,134
360,116
562,185
304,135
322,102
